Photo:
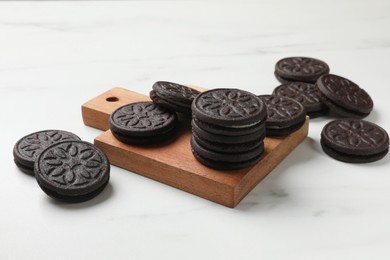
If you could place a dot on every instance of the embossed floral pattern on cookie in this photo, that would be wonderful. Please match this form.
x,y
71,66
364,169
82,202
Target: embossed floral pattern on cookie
x,y
355,134
72,164
301,65
347,90
32,145
227,107
142,115
170,88
282,108
301,68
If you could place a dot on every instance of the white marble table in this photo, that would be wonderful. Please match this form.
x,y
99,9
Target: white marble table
x,y
54,56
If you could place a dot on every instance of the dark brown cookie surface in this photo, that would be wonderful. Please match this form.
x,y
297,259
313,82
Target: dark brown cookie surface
x,y
305,93
344,96
227,157
230,131
237,139
228,108
175,93
224,165
143,123
222,147
301,69
354,140
142,119
28,148
284,115
72,171
168,105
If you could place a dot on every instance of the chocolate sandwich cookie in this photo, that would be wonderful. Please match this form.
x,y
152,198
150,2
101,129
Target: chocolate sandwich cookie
x,y
143,123
226,157
284,115
170,106
305,93
230,131
173,96
228,108
227,148
224,165
354,141
301,69
28,148
344,97
72,171
232,139
228,127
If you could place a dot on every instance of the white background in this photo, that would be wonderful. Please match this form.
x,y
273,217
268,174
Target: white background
x,y
54,56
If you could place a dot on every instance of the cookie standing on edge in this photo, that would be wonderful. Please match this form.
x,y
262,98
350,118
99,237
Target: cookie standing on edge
x,y
28,148
284,115
303,69
354,141
173,96
305,93
344,97
72,171
143,123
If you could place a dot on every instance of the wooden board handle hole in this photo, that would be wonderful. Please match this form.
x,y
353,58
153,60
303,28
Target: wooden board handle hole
x,y
112,99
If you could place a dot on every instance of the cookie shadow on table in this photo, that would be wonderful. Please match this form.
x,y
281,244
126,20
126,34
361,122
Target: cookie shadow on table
x,y
272,191
105,195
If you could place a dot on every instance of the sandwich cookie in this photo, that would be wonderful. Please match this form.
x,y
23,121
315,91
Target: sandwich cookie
x,y
143,123
221,161
173,96
72,171
305,93
284,115
302,69
228,128
354,141
28,148
344,97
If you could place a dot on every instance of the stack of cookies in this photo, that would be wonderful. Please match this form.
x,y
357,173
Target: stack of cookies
x,y
228,128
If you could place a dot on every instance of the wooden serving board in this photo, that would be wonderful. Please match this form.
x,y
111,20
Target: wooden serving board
x,y
173,163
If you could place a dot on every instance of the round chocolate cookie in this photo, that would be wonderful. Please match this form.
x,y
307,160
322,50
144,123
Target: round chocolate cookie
x,y
238,139
354,141
300,69
146,140
173,96
284,115
28,148
167,105
305,93
225,165
225,147
344,97
143,123
228,108
72,171
230,131
226,157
